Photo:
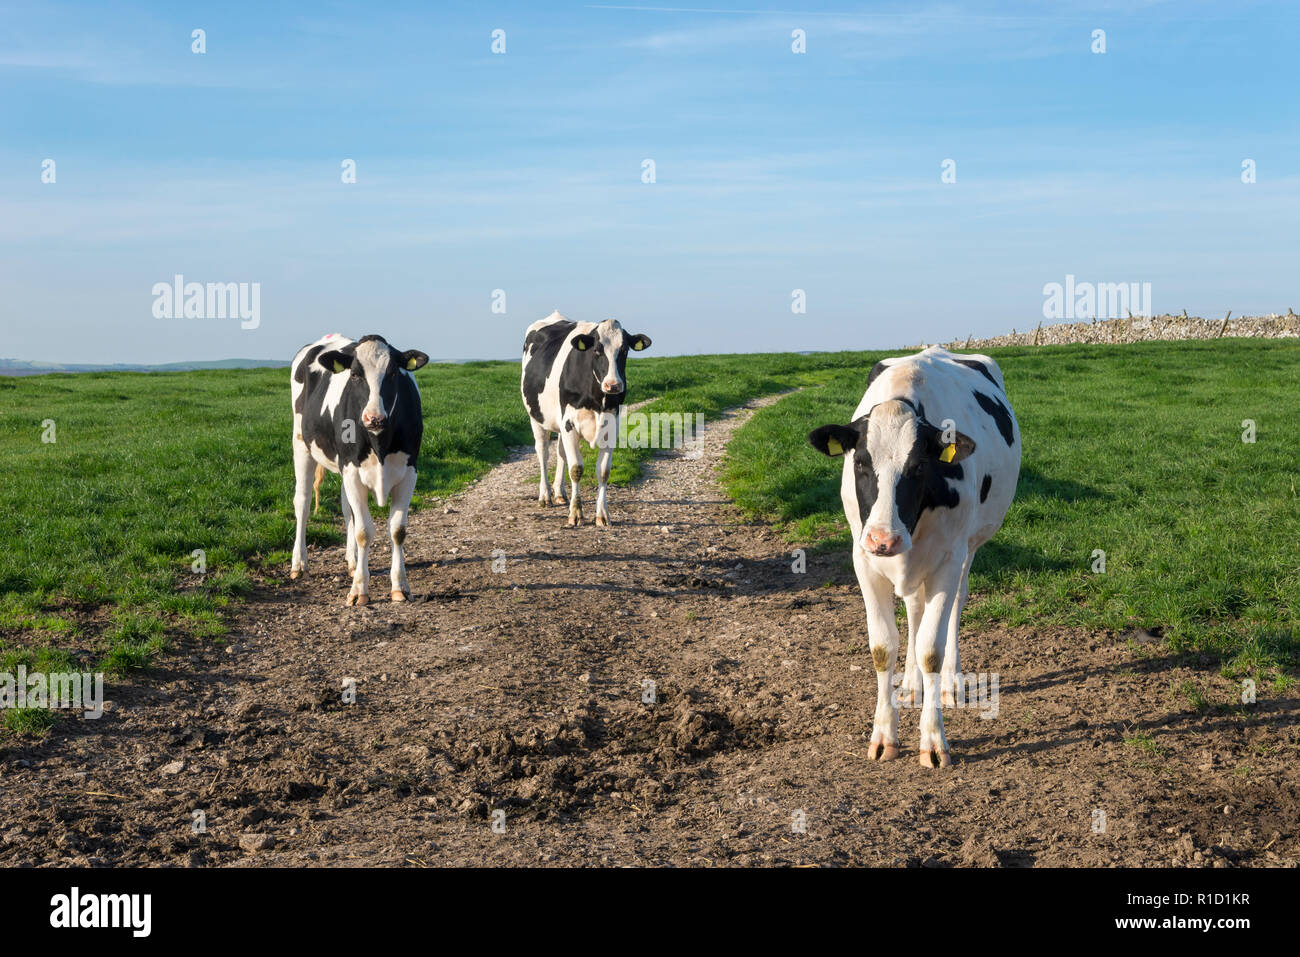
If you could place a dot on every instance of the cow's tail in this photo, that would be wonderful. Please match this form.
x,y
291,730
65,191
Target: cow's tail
x,y
315,486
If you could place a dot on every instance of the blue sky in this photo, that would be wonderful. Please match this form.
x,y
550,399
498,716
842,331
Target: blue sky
x,y
522,172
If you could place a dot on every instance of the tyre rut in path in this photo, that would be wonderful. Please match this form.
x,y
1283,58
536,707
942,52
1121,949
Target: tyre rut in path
x,y
520,690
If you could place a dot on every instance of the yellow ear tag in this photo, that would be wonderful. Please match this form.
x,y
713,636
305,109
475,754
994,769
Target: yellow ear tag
x,y
338,366
411,363
640,344
833,446
581,345
948,454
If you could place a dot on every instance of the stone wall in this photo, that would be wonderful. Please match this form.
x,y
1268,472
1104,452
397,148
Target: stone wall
x,y
1139,329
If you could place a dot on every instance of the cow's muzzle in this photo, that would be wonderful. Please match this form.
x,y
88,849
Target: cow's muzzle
x,y
882,542
374,422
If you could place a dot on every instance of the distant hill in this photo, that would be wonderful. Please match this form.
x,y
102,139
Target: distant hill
x,y
24,367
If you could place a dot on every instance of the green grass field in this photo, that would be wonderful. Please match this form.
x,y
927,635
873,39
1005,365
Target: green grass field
x,y
146,468
1136,450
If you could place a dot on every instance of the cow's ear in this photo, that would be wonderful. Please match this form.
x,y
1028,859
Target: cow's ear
x,y
833,440
335,361
951,452
640,343
413,359
583,341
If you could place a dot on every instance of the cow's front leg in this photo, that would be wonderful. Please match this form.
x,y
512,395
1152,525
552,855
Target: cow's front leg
x,y
931,638
573,454
398,508
882,633
603,462
541,443
363,532
302,476
909,694
351,548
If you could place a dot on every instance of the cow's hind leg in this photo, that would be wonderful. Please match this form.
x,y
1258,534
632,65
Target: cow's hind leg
x,y
561,465
949,681
302,475
541,443
399,505
882,632
363,527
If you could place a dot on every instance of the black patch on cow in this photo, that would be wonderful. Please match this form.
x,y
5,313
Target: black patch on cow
x,y
876,370
923,484
546,343
1001,415
984,488
981,368
582,374
403,430
300,374
568,425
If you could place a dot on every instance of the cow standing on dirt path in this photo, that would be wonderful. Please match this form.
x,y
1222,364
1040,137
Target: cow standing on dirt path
x,y
574,380
931,460
356,412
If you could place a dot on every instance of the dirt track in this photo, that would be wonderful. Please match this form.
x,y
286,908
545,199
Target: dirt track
x,y
521,691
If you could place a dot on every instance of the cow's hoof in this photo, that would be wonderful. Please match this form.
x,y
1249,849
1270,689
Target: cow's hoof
x,y
399,595
297,573
603,520
880,751
358,599
947,699
935,759
575,520
906,698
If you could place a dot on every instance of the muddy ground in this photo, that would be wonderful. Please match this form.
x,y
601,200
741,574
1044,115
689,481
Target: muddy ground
x,y
521,691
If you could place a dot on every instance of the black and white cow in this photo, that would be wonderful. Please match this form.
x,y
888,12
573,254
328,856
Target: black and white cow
x,y
574,380
931,460
356,411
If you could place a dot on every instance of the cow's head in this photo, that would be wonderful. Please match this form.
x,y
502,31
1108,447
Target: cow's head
x,y
603,352
374,366
901,465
